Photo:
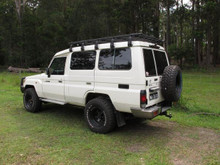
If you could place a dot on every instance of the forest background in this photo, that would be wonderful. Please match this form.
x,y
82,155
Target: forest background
x,y
32,31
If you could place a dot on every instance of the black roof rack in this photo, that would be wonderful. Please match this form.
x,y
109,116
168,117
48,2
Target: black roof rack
x,y
119,38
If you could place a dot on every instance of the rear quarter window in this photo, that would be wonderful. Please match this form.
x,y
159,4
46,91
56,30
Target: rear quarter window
x,y
115,59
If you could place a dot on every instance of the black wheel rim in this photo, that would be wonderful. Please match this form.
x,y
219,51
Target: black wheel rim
x,y
97,117
28,101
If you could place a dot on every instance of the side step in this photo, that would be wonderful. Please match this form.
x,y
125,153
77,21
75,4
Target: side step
x,y
53,101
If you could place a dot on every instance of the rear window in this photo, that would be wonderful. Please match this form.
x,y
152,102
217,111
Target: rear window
x,y
149,63
161,61
115,59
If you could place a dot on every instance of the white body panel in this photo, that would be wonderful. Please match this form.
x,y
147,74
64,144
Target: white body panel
x,y
74,85
77,84
107,81
53,87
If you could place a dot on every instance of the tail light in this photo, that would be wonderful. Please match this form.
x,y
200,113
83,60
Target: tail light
x,y
143,99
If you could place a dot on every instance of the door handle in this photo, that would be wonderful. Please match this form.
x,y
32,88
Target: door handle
x,y
60,81
47,81
154,89
88,83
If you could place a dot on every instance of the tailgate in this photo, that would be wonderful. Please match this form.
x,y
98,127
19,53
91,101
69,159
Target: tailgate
x,y
153,90
155,61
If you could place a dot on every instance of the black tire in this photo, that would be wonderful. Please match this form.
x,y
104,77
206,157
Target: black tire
x,y
172,83
99,115
31,100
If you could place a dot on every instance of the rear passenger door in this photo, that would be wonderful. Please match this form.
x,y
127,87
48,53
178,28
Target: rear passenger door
x,y
80,79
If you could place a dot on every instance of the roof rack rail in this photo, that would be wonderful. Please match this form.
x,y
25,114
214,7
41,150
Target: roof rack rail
x,y
119,38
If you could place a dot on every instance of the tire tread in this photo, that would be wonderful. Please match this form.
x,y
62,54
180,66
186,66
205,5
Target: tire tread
x,y
109,112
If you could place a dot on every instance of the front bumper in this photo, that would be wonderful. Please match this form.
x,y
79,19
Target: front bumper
x,y
149,113
22,88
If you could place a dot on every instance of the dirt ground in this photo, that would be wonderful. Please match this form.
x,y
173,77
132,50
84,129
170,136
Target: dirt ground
x,y
187,145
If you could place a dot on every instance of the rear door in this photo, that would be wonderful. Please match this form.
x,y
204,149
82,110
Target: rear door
x,y
155,61
80,79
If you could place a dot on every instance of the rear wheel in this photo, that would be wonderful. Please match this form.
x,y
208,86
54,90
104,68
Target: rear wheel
x,y
99,115
31,100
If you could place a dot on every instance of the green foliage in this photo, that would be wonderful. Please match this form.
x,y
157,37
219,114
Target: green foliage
x,y
181,53
42,28
45,27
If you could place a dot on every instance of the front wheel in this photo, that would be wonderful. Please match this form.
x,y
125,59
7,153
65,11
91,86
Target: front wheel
x,y
31,100
99,115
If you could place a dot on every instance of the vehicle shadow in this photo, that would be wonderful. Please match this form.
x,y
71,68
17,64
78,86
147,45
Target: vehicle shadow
x,y
68,111
134,127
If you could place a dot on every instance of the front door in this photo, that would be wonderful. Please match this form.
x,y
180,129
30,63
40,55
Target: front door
x,y
53,85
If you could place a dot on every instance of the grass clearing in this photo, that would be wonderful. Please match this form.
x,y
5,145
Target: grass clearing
x,y
200,95
59,135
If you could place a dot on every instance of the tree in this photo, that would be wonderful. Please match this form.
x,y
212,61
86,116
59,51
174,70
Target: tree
x,y
31,31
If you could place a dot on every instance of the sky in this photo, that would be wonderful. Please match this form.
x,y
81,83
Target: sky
x,y
186,1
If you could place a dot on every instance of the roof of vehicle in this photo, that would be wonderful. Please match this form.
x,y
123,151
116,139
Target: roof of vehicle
x,y
136,39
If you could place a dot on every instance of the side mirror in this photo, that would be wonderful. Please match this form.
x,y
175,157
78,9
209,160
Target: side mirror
x,y
48,72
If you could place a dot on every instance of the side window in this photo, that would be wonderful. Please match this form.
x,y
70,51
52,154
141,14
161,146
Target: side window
x,y
161,61
122,59
57,67
106,61
115,59
149,63
83,60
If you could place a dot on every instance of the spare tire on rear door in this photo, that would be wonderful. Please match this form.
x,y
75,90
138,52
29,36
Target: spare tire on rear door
x,y
172,83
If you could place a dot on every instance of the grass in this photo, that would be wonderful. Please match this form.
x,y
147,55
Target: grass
x,y
201,94
59,135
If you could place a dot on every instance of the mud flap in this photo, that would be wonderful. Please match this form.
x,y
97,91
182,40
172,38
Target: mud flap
x,y
120,118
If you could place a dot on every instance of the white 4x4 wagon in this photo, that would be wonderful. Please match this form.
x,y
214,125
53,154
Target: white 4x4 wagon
x,y
112,77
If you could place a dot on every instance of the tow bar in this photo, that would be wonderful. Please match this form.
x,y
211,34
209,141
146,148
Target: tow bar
x,y
167,115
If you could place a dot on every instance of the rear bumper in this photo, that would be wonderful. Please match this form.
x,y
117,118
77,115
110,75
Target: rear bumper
x,y
149,113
